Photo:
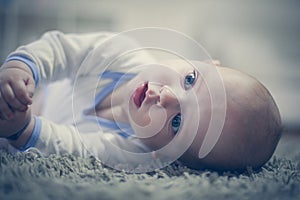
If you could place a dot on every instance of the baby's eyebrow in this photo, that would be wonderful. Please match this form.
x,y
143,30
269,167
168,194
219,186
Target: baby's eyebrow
x,y
198,80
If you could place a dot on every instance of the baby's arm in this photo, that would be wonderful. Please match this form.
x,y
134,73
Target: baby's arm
x,y
57,55
109,147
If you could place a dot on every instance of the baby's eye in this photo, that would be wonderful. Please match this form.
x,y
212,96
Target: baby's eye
x,y
176,123
189,80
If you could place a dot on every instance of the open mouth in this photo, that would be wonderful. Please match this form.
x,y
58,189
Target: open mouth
x,y
140,94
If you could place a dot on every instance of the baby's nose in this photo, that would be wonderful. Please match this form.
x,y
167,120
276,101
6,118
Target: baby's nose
x,y
168,98
153,95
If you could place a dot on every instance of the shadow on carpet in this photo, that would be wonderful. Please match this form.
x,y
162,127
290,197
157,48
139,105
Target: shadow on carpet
x,y
32,176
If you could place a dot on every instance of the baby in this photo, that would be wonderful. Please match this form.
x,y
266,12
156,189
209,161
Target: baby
x,y
106,100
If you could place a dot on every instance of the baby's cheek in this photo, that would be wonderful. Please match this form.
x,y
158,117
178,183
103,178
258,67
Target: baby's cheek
x,y
157,141
147,125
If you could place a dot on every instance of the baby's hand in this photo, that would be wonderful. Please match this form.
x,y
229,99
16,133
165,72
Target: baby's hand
x,y
16,88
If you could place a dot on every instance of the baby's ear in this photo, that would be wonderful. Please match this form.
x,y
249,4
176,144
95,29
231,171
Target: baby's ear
x,y
214,62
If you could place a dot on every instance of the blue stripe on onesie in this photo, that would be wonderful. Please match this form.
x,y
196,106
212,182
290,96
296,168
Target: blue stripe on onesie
x,y
118,78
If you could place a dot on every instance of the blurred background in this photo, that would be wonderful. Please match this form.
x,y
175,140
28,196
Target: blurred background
x,y
259,37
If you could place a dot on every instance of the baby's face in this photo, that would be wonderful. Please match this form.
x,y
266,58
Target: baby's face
x,y
173,101
162,102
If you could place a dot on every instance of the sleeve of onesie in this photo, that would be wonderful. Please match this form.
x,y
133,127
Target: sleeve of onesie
x,y
57,55
111,149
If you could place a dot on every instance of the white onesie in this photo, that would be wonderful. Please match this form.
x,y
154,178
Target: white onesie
x,y
84,68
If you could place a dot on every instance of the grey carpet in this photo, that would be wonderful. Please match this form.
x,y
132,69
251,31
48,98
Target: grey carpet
x,y
32,176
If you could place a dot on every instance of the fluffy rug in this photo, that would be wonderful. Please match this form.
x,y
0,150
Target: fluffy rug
x,y
32,176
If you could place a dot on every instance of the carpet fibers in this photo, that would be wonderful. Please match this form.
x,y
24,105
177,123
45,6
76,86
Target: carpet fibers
x,y
31,176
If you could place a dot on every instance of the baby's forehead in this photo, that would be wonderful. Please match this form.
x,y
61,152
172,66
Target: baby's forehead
x,y
242,90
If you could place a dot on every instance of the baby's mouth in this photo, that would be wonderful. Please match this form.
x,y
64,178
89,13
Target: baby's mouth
x,y
140,94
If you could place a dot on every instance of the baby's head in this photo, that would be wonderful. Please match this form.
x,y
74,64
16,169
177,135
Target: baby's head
x,y
251,130
252,126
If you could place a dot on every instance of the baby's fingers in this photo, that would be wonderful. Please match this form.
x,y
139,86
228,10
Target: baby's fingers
x,y
23,91
8,95
30,85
